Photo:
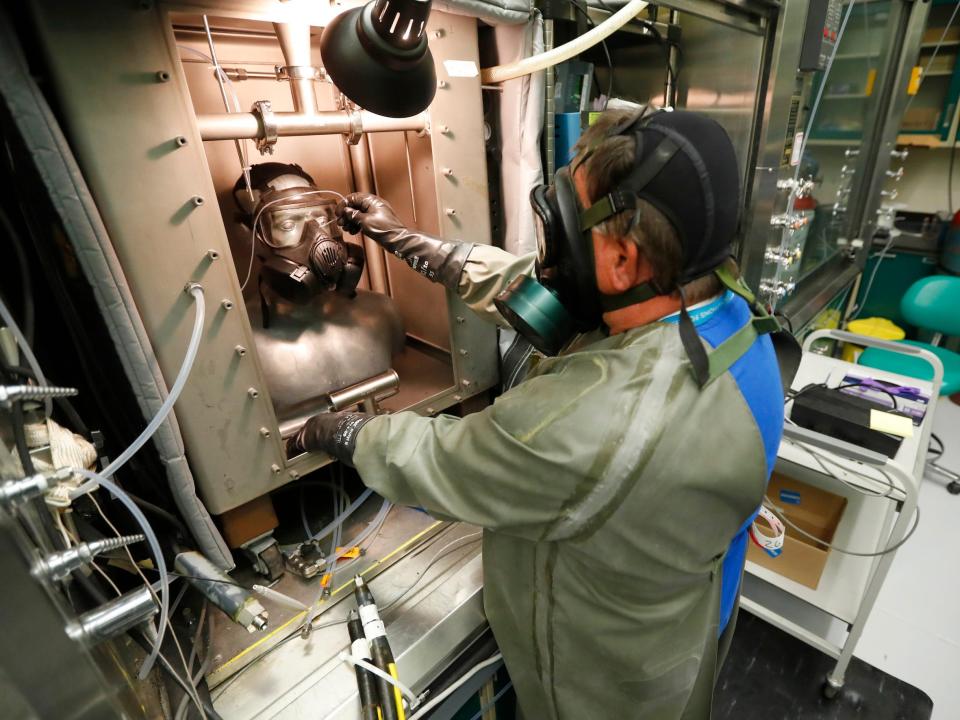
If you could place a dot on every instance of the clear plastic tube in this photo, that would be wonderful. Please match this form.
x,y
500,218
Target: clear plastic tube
x,y
197,292
557,55
342,517
95,480
367,532
27,352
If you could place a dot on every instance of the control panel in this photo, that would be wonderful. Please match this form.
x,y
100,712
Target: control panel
x,y
820,33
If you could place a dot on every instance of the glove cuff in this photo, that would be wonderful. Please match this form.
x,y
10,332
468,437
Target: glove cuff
x,y
343,441
452,266
332,433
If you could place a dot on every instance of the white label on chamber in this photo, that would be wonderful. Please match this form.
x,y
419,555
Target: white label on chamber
x,y
797,147
461,68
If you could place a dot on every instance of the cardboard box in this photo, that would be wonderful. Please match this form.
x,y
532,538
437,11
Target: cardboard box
x,y
816,511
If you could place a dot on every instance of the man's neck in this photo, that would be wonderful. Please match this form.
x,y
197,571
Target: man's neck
x,y
634,316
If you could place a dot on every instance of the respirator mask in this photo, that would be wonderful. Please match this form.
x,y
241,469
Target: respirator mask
x,y
301,249
685,167
563,300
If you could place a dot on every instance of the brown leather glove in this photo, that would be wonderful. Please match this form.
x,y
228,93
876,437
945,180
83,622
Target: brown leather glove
x,y
334,433
435,259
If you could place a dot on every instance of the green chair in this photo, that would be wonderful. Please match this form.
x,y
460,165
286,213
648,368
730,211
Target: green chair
x,y
932,303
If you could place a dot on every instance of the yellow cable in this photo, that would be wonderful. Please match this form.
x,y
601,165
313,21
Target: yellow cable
x,y
398,698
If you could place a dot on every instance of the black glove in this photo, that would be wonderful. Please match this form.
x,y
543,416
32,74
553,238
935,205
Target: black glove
x,y
435,259
333,433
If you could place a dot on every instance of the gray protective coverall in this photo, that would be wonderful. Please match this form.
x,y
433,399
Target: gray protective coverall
x,y
606,524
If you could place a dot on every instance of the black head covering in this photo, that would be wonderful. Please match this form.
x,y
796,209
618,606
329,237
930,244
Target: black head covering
x,y
698,189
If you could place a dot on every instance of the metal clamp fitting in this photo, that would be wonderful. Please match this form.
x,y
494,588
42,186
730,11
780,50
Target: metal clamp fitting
x,y
356,126
268,124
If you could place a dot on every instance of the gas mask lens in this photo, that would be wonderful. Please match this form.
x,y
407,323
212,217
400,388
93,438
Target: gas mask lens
x,y
286,227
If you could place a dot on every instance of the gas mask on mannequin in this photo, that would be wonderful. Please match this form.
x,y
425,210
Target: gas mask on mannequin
x,y
301,249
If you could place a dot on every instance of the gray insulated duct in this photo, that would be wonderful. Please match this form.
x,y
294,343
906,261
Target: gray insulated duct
x,y
84,228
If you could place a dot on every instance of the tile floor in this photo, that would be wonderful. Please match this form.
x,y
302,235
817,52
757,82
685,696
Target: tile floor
x,y
914,630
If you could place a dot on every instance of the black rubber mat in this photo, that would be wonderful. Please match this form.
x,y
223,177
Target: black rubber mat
x,y
769,675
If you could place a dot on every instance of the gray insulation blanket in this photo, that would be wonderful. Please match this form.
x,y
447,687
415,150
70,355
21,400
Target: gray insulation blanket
x,y
81,220
493,12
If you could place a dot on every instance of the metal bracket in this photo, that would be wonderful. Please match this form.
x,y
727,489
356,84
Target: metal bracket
x,y
263,109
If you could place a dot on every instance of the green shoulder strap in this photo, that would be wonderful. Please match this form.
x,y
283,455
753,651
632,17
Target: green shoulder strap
x,y
722,357
785,345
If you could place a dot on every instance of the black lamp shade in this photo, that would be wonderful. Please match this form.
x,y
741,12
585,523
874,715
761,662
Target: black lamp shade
x,y
377,56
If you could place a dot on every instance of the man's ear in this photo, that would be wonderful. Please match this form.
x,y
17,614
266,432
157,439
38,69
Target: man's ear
x,y
625,263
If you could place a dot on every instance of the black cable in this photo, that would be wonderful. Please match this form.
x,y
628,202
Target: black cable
x,y
940,450
166,515
29,314
20,438
781,316
603,43
651,27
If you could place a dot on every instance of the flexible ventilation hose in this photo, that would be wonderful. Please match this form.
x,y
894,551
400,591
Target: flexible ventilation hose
x,y
535,63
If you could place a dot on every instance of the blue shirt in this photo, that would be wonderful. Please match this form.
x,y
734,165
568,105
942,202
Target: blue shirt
x,y
758,379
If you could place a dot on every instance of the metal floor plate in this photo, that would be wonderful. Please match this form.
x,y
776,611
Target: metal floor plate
x,y
271,674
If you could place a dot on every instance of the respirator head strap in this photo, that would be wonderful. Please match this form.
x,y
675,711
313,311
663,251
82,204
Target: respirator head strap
x,y
625,195
635,295
606,207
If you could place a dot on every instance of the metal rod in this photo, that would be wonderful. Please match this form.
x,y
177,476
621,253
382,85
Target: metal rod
x,y
363,181
246,126
669,84
295,43
241,155
378,387
240,74
216,67
114,617
550,110
413,194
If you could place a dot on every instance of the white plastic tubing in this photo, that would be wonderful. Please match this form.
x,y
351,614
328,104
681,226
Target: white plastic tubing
x,y
199,306
533,64
95,480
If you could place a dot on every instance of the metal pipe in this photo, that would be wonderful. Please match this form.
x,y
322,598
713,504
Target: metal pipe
x,y
366,393
551,106
240,74
246,126
377,387
669,85
218,72
295,44
114,617
363,181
